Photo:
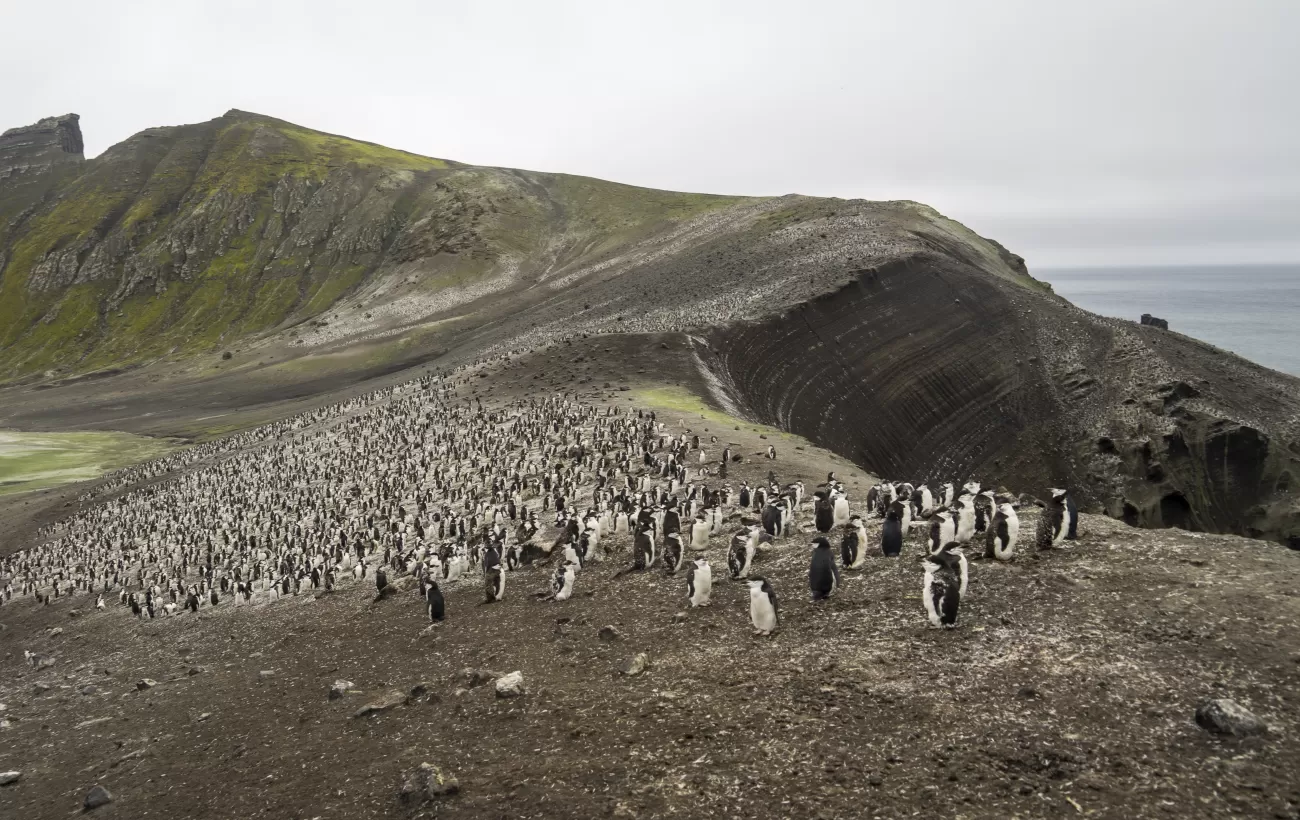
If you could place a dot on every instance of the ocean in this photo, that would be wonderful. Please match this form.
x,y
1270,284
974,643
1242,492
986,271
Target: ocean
x,y
1251,310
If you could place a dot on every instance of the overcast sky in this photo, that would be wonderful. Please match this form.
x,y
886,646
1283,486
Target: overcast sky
x,y
1079,132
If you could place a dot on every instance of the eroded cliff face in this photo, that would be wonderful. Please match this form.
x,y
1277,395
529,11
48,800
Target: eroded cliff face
x,y
931,369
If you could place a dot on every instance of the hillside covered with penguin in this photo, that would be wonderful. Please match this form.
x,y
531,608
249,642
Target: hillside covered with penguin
x,y
500,493
460,596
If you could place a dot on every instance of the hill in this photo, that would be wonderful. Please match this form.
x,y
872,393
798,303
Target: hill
x,y
199,279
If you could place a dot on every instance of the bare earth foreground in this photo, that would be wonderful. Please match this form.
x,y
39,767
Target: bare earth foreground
x,y
1067,690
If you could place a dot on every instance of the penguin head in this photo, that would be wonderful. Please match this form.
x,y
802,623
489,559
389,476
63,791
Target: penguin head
x,y
820,542
1058,495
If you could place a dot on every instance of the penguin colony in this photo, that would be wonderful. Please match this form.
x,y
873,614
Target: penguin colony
x,y
411,481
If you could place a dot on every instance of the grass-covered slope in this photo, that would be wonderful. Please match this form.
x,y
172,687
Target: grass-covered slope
x,y
182,240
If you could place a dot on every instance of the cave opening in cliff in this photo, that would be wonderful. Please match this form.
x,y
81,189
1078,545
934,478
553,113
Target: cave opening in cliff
x,y
1175,511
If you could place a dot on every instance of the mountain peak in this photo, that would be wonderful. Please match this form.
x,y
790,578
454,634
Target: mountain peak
x,y
35,147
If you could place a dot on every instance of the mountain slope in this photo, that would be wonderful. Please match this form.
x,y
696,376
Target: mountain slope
x,y
881,330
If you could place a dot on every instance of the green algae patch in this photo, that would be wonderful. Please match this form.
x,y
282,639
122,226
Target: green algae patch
x,y
35,461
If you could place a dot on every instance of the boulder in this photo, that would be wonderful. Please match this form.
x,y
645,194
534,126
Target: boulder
x,y
609,633
340,688
1223,716
1151,321
510,686
427,782
635,665
96,797
9,777
145,683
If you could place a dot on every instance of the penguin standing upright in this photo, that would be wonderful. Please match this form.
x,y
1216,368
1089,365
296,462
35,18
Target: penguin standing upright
x,y
437,605
381,580
1052,527
965,518
672,553
562,582
700,534
941,590
985,507
891,534
924,502
643,548
1071,518
823,512
904,512
853,547
943,529
1003,533
763,606
773,518
823,574
494,577
841,508
699,582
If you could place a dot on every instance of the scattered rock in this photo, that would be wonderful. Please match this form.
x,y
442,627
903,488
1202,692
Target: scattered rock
x,y
204,716
425,783
609,633
266,673
145,683
96,797
58,630
478,677
9,777
1227,717
41,687
89,689
195,670
679,618
385,703
635,665
510,686
340,688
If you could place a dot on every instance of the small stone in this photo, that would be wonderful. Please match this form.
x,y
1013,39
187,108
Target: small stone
x,y
478,677
195,670
145,683
1027,693
204,716
1227,717
40,688
382,705
609,633
89,689
679,618
636,665
425,783
340,688
266,673
96,797
9,777
58,630
510,686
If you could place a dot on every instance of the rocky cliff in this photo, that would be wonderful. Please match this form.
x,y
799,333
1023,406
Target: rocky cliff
x,y
882,330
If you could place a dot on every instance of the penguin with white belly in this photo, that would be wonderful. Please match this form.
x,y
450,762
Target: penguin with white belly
x,y
562,582
853,546
763,606
672,553
943,529
823,573
699,582
1003,533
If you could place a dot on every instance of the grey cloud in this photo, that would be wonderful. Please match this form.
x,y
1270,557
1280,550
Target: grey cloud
x,y
1111,132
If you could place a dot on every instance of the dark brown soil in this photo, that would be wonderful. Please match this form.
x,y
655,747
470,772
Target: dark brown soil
x,y
1067,690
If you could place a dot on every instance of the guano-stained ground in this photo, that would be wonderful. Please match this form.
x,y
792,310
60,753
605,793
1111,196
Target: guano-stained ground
x,y
1067,690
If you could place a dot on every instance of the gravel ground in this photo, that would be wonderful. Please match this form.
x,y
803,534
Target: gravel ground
x,y
1067,690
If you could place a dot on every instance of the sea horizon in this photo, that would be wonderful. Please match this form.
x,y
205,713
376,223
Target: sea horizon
x,y
1249,309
